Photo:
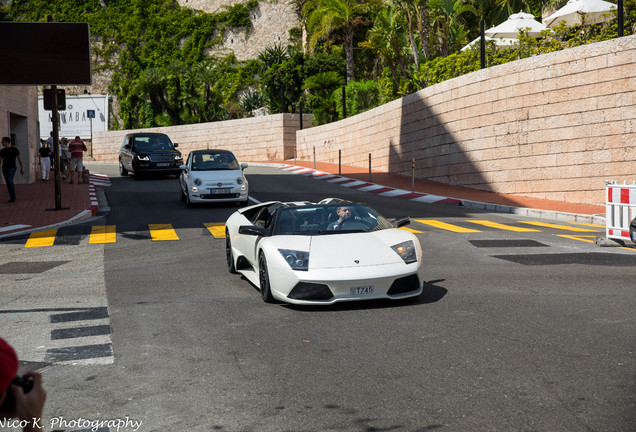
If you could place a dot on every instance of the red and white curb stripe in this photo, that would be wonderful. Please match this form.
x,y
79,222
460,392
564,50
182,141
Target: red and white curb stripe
x,y
370,187
96,180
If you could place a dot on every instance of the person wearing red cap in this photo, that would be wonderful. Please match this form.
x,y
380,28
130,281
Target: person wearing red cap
x,y
28,407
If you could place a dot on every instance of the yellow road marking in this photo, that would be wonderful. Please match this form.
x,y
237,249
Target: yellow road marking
x,y
587,224
162,232
216,228
580,238
103,234
410,230
502,226
446,226
561,227
42,238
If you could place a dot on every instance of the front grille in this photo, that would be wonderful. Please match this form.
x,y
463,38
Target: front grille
x,y
219,196
310,291
161,157
404,285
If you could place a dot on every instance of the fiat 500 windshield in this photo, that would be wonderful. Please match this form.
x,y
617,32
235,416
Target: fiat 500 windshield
x,y
221,161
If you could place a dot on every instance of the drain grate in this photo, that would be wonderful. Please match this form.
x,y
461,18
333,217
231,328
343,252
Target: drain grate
x,y
19,267
506,243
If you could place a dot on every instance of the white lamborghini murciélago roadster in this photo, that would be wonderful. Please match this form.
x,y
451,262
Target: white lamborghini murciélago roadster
x,y
335,250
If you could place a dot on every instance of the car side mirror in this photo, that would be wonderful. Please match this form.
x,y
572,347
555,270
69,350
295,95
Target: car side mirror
x,y
401,221
175,145
183,167
253,230
127,146
243,166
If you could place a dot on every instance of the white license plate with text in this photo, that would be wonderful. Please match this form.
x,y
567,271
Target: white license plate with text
x,y
361,290
220,191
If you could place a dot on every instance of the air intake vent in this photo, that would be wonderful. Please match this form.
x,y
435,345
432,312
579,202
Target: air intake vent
x,y
404,285
310,291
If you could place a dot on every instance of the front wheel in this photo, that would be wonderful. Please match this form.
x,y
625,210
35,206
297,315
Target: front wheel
x,y
136,175
263,277
122,171
188,202
229,255
183,195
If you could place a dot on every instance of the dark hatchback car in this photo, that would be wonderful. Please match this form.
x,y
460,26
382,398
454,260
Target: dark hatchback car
x,y
149,153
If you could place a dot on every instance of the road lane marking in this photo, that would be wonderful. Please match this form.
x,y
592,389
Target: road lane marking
x,y
580,238
587,224
42,238
216,228
555,226
502,226
162,232
446,226
411,230
103,234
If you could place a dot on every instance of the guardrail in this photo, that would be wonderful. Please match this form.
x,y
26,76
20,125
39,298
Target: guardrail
x,y
620,209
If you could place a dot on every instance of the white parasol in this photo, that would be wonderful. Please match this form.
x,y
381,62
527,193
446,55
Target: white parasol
x,y
498,42
515,22
591,11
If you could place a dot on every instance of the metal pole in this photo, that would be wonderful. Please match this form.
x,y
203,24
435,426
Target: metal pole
x,y
301,114
482,43
339,161
369,166
56,150
314,157
91,119
344,104
620,18
294,154
413,175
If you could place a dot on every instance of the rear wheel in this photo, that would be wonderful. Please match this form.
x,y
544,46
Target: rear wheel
x,y
263,277
228,253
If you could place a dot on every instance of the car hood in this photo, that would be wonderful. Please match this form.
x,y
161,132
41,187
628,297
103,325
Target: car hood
x,y
350,250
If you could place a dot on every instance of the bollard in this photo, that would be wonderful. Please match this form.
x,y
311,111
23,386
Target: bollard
x,y
369,166
294,154
314,157
413,176
339,161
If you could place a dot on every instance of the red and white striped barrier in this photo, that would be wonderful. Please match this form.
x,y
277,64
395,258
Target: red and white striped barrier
x,y
620,209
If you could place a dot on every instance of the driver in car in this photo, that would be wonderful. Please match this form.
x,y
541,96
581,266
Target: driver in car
x,y
344,217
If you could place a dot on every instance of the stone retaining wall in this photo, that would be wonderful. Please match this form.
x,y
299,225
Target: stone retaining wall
x,y
554,126
252,139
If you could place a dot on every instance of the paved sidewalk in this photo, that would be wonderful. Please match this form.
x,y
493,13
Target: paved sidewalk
x,y
31,210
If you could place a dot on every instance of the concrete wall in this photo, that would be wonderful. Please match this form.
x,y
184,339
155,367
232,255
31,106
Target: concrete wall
x,y
253,139
553,126
19,117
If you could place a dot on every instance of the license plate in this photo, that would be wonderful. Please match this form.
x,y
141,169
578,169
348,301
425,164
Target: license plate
x,y
220,191
163,164
362,290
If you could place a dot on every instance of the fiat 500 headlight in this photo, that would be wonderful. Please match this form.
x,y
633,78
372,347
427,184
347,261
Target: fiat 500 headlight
x,y
198,182
406,251
297,260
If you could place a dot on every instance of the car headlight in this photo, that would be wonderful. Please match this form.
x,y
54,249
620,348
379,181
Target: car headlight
x,y
297,260
240,180
194,189
178,157
143,157
406,251
198,182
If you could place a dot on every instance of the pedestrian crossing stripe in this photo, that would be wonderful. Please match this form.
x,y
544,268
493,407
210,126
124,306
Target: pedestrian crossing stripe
x,y
103,234
555,226
217,229
502,226
446,226
41,238
162,232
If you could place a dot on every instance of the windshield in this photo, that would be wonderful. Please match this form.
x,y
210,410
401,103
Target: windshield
x,y
145,143
330,219
214,161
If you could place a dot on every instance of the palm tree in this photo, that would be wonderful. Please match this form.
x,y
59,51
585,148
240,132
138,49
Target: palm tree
x,y
324,17
448,13
409,8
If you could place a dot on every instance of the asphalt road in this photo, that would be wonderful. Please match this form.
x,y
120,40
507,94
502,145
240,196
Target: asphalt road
x,y
529,331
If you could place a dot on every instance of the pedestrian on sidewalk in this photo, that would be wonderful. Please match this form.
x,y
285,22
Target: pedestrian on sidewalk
x,y
8,155
45,160
65,157
77,149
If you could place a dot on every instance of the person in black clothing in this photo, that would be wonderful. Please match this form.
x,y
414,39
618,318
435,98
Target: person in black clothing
x,y
8,155
45,160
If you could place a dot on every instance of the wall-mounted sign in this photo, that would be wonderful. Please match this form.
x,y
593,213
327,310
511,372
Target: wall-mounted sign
x,y
75,120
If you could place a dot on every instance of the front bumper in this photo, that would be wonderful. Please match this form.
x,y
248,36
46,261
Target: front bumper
x,y
150,167
235,194
389,281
